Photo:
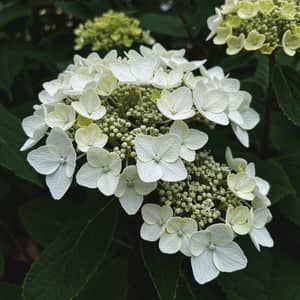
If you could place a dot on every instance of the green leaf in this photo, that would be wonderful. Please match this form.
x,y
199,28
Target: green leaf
x,y
72,259
267,277
11,138
110,282
290,206
10,291
272,171
11,13
163,270
164,24
44,218
286,86
11,61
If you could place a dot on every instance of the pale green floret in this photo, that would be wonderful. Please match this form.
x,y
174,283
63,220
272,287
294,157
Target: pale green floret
x,y
254,41
288,11
235,44
222,34
111,30
247,9
204,196
266,6
265,24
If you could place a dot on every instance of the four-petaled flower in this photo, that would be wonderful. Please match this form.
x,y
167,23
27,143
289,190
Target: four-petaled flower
x,y
90,136
102,170
176,105
214,251
155,218
158,158
131,190
177,235
89,106
191,139
56,160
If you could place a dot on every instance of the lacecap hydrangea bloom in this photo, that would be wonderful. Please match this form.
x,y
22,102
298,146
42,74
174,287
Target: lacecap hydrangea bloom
x,y
111,30
135,127
263,25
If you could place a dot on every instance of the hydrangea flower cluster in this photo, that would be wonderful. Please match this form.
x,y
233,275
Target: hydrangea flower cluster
x,y
132,125
111,30
263,25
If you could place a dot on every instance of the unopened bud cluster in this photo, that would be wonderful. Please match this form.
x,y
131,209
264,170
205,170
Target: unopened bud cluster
x,y
263,25
204,196
111,30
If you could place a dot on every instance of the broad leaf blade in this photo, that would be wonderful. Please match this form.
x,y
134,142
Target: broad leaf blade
x,y
163,270
67,264
286,86
11,138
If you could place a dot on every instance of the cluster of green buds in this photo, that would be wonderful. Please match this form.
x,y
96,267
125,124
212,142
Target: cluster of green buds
x,y
263,25
204,196
111,30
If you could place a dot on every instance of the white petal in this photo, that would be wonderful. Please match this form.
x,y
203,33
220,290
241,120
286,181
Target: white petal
x,y
122,72
29,143
203,267
153,213
88,176
196,139
187,154
180,128
58,182
263,185
185,247
98,114
167,147
143,147
151,232
60,141
221,234
261,237
143,69
251,119
170,243
183,99
220,118
131,201
144,188
43,160
108,183
262,216
149,171
115,163
229,258
97,158
241,134
199,242
173,172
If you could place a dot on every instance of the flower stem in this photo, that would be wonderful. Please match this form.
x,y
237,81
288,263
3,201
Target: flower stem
x,y
269,100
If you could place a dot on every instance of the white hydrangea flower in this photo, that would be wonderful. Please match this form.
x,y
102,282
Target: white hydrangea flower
x,y
259,234
211,103
191,80
155,219
158,158
167,80
214,251
102,170
135,71
262,187
176,105
242,185
56,160
63,116
213,22
89,137
244,118
177,235
131,190
229,6
89,106
237,164
191,139
240,219
35,127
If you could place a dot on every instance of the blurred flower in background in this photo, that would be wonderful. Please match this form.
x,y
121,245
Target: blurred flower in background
x,y
111,30
252,25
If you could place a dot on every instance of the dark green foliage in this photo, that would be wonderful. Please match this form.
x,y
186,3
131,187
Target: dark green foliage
x,y
76,249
